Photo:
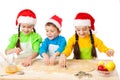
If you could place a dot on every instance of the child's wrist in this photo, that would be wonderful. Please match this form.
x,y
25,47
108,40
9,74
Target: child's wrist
x,y
44,54
63,55
57,53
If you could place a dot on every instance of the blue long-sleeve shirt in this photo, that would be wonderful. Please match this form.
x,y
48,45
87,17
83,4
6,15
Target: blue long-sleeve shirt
x,y
59,41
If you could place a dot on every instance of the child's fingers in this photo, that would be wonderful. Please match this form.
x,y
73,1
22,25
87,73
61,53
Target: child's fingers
x,y
52,60
17,50
110,53
62,62
26,64
46,61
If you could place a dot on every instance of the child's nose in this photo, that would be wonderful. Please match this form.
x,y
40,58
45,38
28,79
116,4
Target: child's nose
x,y
26,29
49,32
81,32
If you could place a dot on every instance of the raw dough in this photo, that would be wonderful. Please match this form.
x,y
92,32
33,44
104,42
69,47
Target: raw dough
x,y
71,66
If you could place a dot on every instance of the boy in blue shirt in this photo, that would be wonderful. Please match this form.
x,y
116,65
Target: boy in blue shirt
x,y
54,44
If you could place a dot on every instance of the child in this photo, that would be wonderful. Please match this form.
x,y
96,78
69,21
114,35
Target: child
x,y
26,42
54,44
83,42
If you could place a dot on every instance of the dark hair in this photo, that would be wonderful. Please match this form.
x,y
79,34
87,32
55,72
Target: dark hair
x,y
50,23
34,30
77,48
94,53
18,41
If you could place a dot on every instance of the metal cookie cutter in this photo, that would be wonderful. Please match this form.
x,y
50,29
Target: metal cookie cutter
x,y
82,74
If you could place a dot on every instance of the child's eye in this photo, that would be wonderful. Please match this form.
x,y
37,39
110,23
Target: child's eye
x,y
78,30
29,27
23,26
52,31
84,28
47,30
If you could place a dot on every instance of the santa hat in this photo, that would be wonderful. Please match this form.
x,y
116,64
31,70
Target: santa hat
x,y
57,21
84,19
26,16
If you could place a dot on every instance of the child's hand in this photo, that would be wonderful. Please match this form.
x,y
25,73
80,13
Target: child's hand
x,y
27,62
62,60
17,50
46,59
110,52
52,60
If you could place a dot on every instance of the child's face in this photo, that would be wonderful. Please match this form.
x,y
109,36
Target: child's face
x,y
26,28
52,32
82,31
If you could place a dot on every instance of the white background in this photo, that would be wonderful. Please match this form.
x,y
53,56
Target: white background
x,y
105,12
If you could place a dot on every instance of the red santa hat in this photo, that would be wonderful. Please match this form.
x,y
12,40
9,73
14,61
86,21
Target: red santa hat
x,y
56,20
26,16
84,19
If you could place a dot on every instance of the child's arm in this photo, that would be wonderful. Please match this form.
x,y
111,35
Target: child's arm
x,y
14,50
28,60
43,47
62,60
36,40
11,48
102,47
52,58
46,59
62,44
69,47
110,52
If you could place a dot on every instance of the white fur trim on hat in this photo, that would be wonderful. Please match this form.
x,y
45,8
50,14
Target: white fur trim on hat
x,y
26,19
55,22
81,22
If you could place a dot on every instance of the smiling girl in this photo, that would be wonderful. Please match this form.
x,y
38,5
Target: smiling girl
x,y
26,42
83,42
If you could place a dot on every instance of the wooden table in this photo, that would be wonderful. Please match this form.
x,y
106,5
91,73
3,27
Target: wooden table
x,y
39,71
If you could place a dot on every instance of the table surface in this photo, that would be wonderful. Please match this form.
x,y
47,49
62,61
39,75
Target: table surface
x,y
76,70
